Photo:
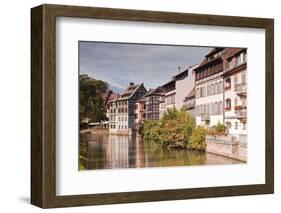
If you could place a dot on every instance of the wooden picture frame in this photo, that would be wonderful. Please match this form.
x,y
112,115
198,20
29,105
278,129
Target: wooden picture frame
x,y
43,105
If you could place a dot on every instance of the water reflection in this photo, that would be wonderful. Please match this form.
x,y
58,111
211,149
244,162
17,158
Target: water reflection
x,y
105,151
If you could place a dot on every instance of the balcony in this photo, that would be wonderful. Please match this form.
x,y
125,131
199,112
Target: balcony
x,y
241,114
205,117
241,89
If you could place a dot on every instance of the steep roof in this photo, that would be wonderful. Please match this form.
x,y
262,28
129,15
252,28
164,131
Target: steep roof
x,y
227,53
130,91
230,52
109,95
206,61
157,91
214,50
191,94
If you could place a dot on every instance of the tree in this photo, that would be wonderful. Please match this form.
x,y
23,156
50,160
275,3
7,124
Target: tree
x,y
174,129
91,103
198,138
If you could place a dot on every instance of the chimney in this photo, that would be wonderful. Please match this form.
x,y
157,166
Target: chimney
x,y
179,68
131,84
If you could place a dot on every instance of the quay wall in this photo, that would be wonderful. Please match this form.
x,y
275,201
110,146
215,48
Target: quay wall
x,y
227,145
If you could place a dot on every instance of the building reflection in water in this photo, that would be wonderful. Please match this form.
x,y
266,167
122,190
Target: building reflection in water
x,y
106,151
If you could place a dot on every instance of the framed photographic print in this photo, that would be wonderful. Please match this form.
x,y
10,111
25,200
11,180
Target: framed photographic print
x,y
137,106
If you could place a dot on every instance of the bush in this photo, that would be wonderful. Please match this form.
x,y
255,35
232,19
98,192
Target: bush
x,y
174,129
198,138
220,128
148,128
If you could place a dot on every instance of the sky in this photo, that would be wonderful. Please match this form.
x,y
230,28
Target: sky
x,y
121,63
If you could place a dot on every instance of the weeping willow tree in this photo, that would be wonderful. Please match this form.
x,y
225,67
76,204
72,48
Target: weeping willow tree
x,y
91,103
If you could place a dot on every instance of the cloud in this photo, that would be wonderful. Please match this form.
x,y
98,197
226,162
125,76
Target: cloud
x,y
120,63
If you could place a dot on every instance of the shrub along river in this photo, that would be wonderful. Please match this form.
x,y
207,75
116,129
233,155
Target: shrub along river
x,y
106,151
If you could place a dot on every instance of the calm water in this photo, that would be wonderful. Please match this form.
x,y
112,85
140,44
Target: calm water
x,y
105,151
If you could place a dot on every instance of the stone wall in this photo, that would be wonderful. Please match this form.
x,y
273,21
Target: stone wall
x,y
227,145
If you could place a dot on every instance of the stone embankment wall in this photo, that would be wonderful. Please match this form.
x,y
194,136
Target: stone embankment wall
x,y
227,145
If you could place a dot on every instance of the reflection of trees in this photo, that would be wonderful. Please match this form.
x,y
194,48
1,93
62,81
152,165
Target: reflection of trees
x,y
103,151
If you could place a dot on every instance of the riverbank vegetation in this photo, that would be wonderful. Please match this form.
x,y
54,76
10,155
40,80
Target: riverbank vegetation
x,y
91,103
218,129
175,129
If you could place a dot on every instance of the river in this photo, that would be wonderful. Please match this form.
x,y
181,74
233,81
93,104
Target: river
x,y
106,151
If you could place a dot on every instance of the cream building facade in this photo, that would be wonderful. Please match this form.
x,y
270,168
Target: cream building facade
x,y
235,95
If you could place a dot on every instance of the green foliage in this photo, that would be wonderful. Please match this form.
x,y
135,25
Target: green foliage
x,y
198,138
220,128
174,129
150,129
91,103
217,129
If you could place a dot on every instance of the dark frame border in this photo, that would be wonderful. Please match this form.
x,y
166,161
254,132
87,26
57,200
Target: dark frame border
x,y
43,105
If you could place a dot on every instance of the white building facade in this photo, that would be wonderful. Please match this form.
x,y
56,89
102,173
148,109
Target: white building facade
x,y
185,82
209,89
221,90
235,90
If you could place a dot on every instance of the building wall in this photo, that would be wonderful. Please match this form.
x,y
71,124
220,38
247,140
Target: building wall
x,y
152,106
162,107
183,87
209,101
112,116
237,126
139,114
170,98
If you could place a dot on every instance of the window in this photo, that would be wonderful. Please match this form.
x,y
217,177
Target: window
x,y
227,83
216,108
197,92
235,101
228,104
243,78
239,59
244,126
228,125
244,57
236,125
220,108
230,63
235,80
211,89
207,109
136,106
220,87
243,100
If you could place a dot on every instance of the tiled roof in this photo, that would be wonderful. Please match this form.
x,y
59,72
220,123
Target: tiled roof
x,y
130,91
157,91
230,52
206,61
